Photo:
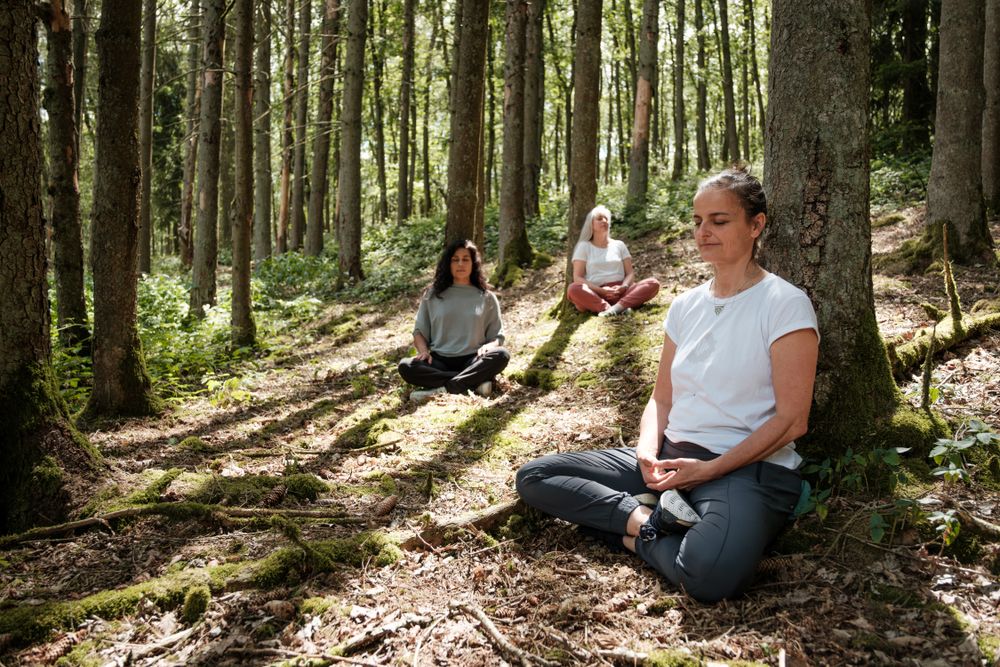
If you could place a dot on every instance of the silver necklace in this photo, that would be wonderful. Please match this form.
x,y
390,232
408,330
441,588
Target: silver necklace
x,y
719,307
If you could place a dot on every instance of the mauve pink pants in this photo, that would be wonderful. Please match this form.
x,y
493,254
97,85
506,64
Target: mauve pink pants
x,y
639,293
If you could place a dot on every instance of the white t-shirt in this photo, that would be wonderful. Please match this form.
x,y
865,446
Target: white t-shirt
x,y
604,265
721,374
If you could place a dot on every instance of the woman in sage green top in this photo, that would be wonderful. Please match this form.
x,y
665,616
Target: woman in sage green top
x,y
459,332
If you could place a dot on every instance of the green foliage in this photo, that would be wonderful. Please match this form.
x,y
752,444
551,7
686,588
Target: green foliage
x,y
899,182
949,453
250,489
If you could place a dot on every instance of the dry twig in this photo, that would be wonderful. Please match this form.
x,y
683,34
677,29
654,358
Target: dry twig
x,y
502,643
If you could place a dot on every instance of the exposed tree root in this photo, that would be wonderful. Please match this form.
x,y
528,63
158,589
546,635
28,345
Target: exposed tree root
x,y
906,356
485,520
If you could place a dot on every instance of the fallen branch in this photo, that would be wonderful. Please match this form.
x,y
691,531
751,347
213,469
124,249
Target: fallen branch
x,y
369,637
974,523
623,656
484,520
508,650
906,356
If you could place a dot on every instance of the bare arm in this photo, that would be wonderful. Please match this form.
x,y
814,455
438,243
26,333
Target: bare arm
x,y
423,349
654,418
629,279
793,373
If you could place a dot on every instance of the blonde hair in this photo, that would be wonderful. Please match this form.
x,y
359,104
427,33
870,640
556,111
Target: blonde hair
x,y
587,231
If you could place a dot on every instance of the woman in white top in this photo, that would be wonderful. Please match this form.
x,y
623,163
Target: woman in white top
x,y
717,437
603,281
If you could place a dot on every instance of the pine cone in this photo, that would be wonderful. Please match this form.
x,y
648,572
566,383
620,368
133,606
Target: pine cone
x,y
274,496
385,505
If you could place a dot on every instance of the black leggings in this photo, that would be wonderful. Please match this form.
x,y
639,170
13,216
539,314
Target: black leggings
x,y
741,512
457,374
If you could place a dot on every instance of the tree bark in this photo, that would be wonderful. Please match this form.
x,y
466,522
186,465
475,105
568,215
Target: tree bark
x,y
534,106
465,207
242,328
955,186
67,240
428,202
324,128
148,69
349,182
378,110
917,99
81,29
227,149
298,213
701,123
206,245
745,84
586,118
193,110
762,114
121,384
405,95
515,250
732,144
816,167
490,122
638,171
287,132
262,138
991,114
679,122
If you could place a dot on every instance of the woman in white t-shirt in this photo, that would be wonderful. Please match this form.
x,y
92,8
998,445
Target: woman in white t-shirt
x,y
716,440
603,281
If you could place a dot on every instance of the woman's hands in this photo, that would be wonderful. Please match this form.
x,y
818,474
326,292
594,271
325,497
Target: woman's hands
x,y
683,474
486,347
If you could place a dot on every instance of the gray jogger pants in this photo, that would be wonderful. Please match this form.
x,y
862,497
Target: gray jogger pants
x,y
741,512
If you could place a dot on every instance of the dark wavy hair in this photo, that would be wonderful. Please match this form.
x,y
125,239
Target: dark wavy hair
x,y
442,275
747,188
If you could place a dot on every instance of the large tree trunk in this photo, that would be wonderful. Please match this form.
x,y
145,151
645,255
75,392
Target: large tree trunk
x,y
146,134
991,114
298,213
638,171
35,423
917,100
818,235
679,122
349,182
262,138
243,329
67,240
701,123
955,187
465,207
321,138
732,143
378,110
206,245
534,106
405,94
81,29
121,384
515,250
193,110
287,132
583,135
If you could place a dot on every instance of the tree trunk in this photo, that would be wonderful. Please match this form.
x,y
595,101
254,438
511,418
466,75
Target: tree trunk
x,y
426,129
534,106
405,93
465,207
242,324
586,117
349,183
490,122
816,166
121,384
679,122
287,132
745,84
638,167
515,250
262,137
81,29
955,186
227,155
35,422
146,134
732,145
193,110
377,51
298,213
701,124
206,246
991,114
755,69
324,128
67,241
917,100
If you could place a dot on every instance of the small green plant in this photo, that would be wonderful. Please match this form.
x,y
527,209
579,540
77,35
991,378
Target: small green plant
x,y
949,453
947,524
225,393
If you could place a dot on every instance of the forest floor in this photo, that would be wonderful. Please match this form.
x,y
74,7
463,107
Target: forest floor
x,y
327,589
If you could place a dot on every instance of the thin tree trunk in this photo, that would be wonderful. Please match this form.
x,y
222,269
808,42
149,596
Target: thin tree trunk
x,y
701,124
534,106
298,213
623,148
465,207
403,194
349,183
755,69
638,179
732,138
206,246
227,156
287,132
146,133
242,324
81,30
324,128
679,123
991,114
917,99
491,113
631,63
745,83
121,384
377,51
67,241
262,137
193,110
428,74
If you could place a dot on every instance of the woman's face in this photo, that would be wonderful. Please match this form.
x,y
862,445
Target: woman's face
x,y
461,265
600,224
723,231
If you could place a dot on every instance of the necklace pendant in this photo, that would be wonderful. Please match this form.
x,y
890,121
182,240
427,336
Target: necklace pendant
x,y
718,309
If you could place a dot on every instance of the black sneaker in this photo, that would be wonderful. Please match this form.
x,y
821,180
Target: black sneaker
x,y
672,514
